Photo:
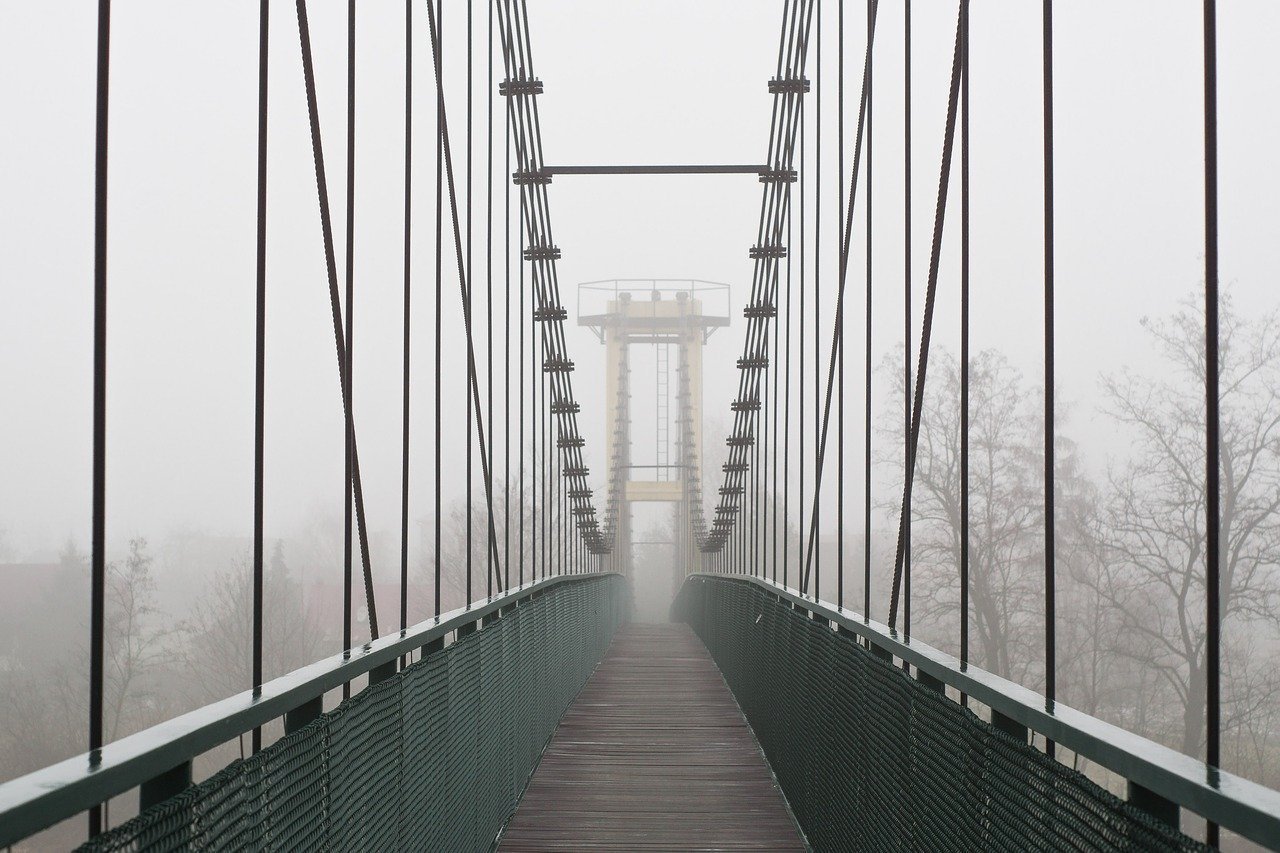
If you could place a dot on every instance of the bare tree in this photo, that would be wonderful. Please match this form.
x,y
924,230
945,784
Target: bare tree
x,y
134,643
1006,518
218,635
1153,571
44,689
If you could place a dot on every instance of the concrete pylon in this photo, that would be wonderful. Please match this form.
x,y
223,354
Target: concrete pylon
x,y
672,315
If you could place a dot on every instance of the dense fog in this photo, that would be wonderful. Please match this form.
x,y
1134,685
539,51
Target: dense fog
x,y
658,82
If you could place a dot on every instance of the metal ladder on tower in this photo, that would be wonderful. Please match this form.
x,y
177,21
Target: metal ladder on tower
x,y
662,411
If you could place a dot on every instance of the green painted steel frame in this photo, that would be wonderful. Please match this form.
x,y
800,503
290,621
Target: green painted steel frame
x,y
1246,808
38,800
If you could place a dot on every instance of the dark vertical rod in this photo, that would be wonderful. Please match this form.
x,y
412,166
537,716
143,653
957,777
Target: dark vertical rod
x,y
926,324
866,507
803,176
520,372
964,335
906,317
260,355
840,410
439,366
546,481
817,307
488,275
404,402
786,417
506,338
535,496
1050,592
335,296
1213,580
98,564
350,331
777,355
467,298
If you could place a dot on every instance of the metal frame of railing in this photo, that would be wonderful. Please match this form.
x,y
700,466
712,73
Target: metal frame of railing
x,y
1159,780
157,761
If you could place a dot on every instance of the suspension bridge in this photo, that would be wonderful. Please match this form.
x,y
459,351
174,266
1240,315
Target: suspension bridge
x,y
539,715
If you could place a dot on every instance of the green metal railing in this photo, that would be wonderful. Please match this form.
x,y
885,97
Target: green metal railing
x,y
431,757
872,753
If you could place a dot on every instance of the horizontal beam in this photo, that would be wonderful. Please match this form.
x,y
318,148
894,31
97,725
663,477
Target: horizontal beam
x,y
1234,803
38,800
702,169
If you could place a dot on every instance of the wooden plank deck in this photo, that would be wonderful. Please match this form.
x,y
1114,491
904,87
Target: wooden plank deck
x,y
653,755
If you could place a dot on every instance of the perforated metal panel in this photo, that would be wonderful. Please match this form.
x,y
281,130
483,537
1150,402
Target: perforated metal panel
x,y
871,759
434,758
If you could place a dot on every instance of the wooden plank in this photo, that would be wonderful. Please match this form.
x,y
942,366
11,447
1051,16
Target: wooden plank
x,y
653,755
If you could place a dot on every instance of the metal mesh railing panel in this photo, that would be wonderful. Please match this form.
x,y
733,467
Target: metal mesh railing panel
x,y
364,765
433,758
426,766
871,759
294,780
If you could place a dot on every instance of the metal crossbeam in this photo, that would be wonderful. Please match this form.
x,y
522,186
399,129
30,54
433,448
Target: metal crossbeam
x,y
701,169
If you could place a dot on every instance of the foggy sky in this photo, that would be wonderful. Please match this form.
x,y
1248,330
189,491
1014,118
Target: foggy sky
x,y
658,82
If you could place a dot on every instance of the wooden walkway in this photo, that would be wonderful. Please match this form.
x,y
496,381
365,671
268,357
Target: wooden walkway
x,y
653,755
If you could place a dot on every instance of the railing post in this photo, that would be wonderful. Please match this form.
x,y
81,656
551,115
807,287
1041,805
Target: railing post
x,y
168,784
1155,805
929,681
1009,726
383,672
882,653
303,714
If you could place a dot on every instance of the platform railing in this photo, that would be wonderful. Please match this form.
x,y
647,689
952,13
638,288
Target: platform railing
x,y
860,664
157,761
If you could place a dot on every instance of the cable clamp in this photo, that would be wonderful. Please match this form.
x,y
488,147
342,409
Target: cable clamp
x,y
510,87
531,176
551,313
745,405
758,362
557,365
777,176
563,407
788,85
542,253
760,309
768,250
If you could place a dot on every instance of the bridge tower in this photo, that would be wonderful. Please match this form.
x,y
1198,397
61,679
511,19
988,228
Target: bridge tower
x,y
673,316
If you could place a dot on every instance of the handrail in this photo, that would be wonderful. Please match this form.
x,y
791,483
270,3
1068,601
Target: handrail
x,y
44,797
1234,803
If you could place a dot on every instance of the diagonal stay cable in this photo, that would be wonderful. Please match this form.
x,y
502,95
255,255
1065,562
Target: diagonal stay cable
x,y
844,269
326,225
927,322
522,112
465,285
922,365
774,213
